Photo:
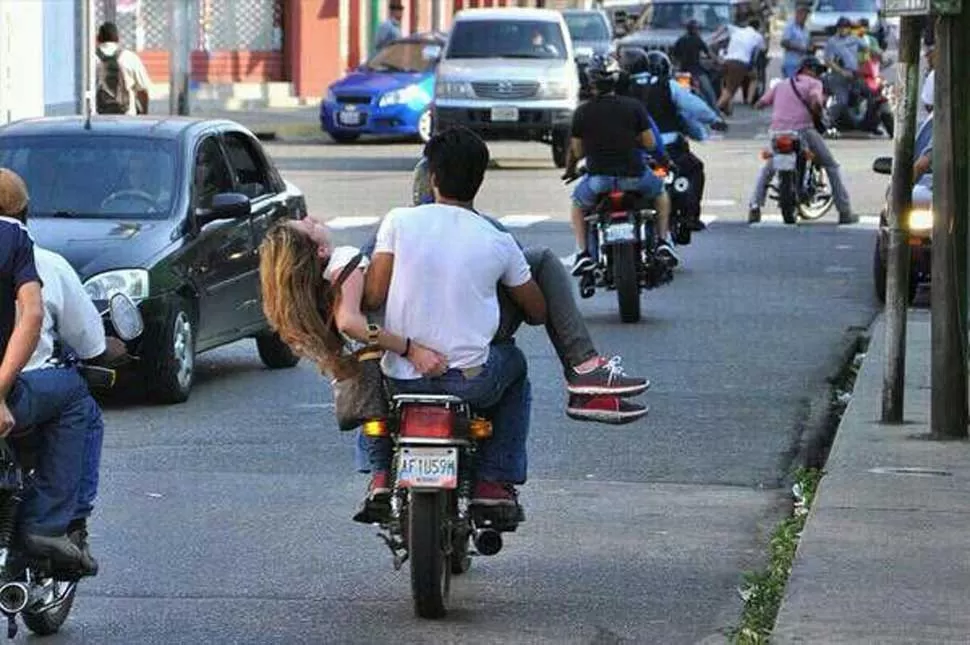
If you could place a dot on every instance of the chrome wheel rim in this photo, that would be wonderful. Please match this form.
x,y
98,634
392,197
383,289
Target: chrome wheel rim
x,y
182,350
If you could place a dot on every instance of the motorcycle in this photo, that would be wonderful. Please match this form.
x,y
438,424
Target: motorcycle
x,y
801,185
430,522
866,111
622,241
678,187
36,590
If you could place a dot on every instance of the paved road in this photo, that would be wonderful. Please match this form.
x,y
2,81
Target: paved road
x,y
226,519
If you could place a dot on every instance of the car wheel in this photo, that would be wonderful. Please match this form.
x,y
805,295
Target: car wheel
x,y
425,125
169,355
344,137
274,353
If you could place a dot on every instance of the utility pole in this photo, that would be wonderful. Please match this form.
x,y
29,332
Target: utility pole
x,y
951,175
86,59
179,66
898,260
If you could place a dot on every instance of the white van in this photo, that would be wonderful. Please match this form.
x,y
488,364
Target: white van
x,y
509,74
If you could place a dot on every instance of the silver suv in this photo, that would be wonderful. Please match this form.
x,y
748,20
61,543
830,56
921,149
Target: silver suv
x,y
509,74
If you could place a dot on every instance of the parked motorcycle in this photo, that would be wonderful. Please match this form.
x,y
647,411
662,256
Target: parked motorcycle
x,y
800,185
622,241
430,521
37,591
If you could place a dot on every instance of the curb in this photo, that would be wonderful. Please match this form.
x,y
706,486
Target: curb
x,y
817,428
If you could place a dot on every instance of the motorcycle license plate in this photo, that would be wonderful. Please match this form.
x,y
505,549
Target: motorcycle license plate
x,y
420,467
622,232
784,162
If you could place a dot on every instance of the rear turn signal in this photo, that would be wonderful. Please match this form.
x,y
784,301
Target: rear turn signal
x,y
375,428
480,428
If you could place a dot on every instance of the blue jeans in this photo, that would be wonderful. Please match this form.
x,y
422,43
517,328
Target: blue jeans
x,y
501,391
56,404
92,465
590,186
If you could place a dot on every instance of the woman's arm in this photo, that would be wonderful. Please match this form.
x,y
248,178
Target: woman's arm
x,y
352,322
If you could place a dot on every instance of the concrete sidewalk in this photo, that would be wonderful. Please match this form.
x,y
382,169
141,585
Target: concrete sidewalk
x,y
885,554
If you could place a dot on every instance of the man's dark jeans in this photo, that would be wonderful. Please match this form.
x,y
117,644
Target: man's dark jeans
x,y
501,391
56,404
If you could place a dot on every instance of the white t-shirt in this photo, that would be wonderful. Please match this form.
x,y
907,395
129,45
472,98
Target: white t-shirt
x,y
339,258
743,43
443,294
133,70
926,96
69,314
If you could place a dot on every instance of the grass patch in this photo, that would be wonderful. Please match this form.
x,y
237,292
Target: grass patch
x,y
764,590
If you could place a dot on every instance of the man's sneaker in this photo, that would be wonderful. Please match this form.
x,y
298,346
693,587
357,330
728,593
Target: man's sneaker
x,y
494,494
666,252
754,215
850,218
604,409
377,505
583,263
77,532
607,377
60,550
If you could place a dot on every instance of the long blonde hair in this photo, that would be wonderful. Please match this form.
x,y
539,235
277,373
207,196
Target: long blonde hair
x,y
299,304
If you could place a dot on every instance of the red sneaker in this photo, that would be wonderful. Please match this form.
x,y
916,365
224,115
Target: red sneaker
x,y
376,507
494,494
604,409
379,484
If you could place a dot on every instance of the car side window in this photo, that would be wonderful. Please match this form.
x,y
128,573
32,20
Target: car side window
x,y
248,165
212,175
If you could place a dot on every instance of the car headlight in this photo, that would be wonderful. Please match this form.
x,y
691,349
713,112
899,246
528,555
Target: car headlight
x,y
556,90
131,282
409,94
453,89
920,220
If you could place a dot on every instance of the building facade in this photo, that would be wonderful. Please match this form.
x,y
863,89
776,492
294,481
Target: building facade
x,y
303,44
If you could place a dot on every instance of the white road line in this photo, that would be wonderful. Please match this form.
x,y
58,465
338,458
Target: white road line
x,y
352,222
523,221
866,222
708,219
718,203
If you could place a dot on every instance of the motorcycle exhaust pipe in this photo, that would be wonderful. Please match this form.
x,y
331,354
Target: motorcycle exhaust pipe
x,y
14,597
488,541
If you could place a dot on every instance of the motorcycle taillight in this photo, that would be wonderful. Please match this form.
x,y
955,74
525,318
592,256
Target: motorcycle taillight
x,y
427,422
785,144
616,200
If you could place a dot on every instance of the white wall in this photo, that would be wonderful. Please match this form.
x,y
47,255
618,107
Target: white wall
x,y
38,60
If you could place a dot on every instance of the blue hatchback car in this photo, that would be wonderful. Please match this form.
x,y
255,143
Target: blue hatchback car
x,y
390,94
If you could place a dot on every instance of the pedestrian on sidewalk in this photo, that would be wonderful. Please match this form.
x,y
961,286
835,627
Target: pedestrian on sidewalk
x,y
390,29
122,80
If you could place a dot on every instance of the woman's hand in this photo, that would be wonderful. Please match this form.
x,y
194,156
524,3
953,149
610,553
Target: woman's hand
x,y
426,360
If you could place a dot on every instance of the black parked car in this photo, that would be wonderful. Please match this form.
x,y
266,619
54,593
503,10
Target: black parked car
x,y
170,211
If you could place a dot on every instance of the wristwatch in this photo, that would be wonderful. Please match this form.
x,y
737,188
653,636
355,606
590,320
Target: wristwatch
x,y
373,331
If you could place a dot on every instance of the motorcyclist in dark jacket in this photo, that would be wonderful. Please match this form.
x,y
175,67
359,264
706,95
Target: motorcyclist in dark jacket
x,y
679,115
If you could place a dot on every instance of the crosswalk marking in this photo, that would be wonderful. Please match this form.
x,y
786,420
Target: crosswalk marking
x,y
523,221
774,220
352,222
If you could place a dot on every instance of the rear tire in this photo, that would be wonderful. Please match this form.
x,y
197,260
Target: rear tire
x,y
626,278
786,197
274,353
49,622
430,571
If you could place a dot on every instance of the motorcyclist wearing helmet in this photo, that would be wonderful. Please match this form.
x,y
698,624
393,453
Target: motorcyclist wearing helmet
x,y
679,114
797,102
612,132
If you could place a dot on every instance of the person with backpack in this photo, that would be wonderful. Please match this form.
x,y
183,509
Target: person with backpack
x,y
122,80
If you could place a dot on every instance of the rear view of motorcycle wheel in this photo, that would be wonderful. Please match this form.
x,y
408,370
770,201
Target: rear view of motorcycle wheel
x,y
627,281
46,623
430,568
786,197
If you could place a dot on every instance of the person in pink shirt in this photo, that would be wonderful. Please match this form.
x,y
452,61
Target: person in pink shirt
x,y
797,103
